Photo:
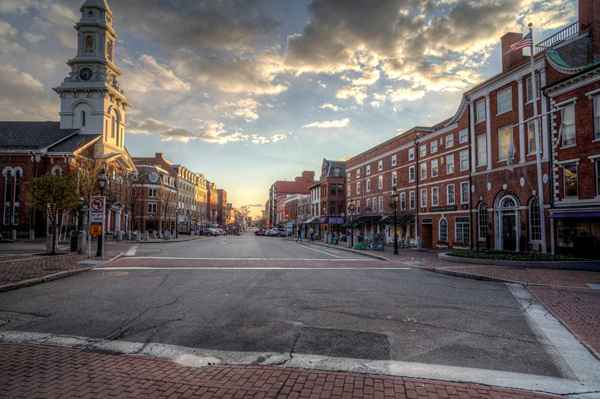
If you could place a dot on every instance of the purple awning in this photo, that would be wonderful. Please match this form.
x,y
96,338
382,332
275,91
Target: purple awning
x,y
577,215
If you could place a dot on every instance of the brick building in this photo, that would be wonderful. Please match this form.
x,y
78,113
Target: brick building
x,y
332,197
156,200
212,200
474,180
222,213
280,190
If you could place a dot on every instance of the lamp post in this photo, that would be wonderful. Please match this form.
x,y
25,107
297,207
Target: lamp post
x,y
395,196
351,209
102,183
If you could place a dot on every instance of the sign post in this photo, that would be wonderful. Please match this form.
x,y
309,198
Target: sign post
x,y
97,220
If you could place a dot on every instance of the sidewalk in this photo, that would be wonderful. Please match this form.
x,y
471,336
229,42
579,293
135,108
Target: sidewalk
x,y
30,371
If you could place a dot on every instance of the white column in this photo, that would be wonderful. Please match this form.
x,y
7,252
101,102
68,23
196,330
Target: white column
x,y
522,140
118,221
488,123
473,139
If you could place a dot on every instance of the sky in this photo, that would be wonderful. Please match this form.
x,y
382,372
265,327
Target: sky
x,y
252,91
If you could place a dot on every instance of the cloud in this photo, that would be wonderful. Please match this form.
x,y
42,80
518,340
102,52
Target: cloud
x,y
8,39
330,107
24,97
146,75
246,109
335,124
213,132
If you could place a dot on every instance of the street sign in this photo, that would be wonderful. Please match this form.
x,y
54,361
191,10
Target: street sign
x,y
97,209
96,230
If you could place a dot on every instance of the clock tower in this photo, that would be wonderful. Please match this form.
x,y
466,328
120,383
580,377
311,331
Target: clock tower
x,y
90,96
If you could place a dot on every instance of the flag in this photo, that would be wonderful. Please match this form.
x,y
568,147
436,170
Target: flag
x,y
525,42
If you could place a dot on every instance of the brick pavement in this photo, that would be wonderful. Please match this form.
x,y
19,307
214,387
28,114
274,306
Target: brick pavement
x,y
578,309
36,371
25,268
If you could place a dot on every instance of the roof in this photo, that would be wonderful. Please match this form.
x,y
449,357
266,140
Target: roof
x,y
73,143
29,136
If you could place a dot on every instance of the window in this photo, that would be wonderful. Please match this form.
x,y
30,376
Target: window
x,y
443,233
464,192
358,188
369,205
464,160
90,45
434,168
568,125
368,170
358,173
424,198
12,195
423,171
411,154
394,179
481,150
83,119
535,227
394,160
403,201
483,222
596,117
480,111
504,100
435,196
380,200
433,147
505,143
152,208
531,132
380,165
152,193
368,185
450,200
411,174
463,136
450,164
413,200
597,171
570,180
423,151
450,141
462,231
380,183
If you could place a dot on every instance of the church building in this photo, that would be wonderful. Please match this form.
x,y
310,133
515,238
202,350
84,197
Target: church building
x,y
88,139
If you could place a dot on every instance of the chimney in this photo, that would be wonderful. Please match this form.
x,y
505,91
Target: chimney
x,y
589,19
513,58
308,176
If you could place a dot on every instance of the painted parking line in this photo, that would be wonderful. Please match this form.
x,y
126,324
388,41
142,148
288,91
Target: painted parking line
x,y
127,268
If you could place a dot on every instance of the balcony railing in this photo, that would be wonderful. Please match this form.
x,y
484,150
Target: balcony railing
x,y
559,37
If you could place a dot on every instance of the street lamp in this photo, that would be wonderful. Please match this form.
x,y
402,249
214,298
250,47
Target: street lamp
x,y
351,209
102,183
395,196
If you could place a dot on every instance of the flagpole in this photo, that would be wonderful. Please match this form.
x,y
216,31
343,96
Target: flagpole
x,y
538,147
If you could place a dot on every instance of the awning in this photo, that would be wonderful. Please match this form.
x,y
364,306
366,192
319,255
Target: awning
x,y
576,215
403,219
372,219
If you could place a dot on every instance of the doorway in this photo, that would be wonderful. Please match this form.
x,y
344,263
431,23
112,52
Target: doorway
x,y
508,225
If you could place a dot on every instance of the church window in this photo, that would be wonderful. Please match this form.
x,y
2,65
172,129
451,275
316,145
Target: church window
x,y
90,46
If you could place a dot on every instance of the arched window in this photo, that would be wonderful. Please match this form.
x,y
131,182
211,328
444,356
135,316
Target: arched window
x,y
90,45
83,119
443,233
535,229
56,171
483,222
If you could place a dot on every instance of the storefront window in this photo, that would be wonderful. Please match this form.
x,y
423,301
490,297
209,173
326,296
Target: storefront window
x,y
570,179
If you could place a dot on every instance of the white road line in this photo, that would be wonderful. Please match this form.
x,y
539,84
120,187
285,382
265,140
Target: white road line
x,y
124,268
251,259
196,357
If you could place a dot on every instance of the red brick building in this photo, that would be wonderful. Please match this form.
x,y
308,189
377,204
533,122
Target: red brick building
x,y
474,180
281,189
333,197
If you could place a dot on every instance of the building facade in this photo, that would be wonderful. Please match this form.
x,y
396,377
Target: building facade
x,y
280,190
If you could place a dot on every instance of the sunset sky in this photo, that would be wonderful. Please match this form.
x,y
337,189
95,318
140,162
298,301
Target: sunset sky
x,y
251,91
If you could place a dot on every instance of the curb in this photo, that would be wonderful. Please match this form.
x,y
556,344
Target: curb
x,y
167,241
368,254
41,280
592,266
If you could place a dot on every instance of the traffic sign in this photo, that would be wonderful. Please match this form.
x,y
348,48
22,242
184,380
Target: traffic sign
x,y
97,209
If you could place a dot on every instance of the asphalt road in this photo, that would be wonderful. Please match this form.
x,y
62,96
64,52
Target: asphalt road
x,y
407,315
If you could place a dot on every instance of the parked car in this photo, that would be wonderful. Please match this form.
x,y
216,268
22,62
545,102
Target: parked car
x,y
260,232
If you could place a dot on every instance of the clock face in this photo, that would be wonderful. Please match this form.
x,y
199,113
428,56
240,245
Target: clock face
x,y
85,74
153,177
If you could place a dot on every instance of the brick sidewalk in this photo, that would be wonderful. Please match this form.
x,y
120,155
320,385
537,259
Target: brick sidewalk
x,y
578,309
27,268
28,371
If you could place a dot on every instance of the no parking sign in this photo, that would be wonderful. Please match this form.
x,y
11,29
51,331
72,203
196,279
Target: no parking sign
x,y
97,209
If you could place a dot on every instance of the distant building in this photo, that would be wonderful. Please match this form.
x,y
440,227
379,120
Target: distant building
x,y
279,191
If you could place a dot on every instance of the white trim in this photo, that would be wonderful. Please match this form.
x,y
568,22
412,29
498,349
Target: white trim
x,y
564,103
566,161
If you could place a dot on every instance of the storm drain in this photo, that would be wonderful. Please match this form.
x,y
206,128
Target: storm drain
x,y
343,343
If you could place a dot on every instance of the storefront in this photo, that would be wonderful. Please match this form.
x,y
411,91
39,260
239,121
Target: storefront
x,y
577,232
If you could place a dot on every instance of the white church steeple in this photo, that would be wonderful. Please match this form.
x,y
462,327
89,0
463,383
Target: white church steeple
x,y
91,98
